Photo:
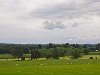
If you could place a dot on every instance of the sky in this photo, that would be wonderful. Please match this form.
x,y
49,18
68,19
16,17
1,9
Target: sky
x,y
50,21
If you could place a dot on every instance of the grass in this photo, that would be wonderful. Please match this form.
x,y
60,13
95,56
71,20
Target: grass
x,y
63,66
50,67
94,53
88,56
5,56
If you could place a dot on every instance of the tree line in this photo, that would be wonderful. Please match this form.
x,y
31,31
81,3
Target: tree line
x,y
49,51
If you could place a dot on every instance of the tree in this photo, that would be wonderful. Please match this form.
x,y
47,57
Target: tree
x,y
67,45
98,46
75,45
48,56
75,54
35,54
39,46
55,54
62,51
50,45
17,52
86,51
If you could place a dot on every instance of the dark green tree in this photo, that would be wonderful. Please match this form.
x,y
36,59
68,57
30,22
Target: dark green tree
x,y
98,46
48,56
55,54
86,51
50,45
67,45
35,54
39,46
75,54
17,52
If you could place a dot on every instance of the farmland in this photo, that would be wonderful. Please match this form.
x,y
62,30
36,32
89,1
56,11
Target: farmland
x,y
49,59
50,67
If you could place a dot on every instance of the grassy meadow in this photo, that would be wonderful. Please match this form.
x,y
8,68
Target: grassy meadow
x,y
50,67
62,66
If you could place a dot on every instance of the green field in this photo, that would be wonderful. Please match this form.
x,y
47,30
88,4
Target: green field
x,y
8,56
5,56
62,66
50,67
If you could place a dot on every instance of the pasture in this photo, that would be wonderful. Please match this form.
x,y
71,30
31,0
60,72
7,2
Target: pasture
x,y
50,67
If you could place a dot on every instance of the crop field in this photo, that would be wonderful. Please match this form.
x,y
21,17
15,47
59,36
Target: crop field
x,y
50,67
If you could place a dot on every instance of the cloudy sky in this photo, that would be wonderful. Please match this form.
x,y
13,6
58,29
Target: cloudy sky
x,y
44,21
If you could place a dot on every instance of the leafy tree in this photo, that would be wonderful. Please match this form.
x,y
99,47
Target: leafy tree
x,y
26,50
55,54
98,46
50,45
66,45
75,54
62,51
86,51
39,46
35,54
17,52
48,56
75,45
84,46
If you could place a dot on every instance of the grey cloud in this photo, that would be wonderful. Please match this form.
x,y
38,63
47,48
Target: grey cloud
x,y
64,10
53,24
48,25
21,20
59,25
